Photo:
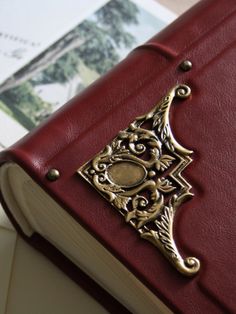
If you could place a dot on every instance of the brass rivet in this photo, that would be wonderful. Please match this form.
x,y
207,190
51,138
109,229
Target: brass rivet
x,y
186,65
53,175
181,91
151,174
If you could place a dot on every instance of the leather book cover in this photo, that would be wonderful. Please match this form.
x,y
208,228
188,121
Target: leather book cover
x,y
198,130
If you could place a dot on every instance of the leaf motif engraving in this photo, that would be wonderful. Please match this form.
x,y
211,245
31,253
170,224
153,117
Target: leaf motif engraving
x,y
158,118
165,185
165,225
121,201
112,188
164,162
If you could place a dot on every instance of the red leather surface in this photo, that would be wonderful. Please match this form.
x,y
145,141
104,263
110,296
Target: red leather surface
x,y
205,226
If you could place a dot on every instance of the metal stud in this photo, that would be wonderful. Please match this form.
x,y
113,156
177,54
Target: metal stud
x,y
186,65
53,175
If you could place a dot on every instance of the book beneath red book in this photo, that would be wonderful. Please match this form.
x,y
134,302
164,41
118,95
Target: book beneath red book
x,y
59,213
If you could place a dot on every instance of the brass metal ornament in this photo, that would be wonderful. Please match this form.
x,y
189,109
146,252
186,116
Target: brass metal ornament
x,y
139,173
53,174
186,65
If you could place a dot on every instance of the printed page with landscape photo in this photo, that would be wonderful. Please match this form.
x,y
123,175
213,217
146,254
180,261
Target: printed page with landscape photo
x,y
88,50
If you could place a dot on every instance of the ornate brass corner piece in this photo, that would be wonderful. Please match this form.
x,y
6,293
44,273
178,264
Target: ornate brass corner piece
x,y
139,173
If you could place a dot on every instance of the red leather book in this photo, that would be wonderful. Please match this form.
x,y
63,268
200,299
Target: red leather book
x,y
114,204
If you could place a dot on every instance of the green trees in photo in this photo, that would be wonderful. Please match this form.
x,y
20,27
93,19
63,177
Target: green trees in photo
x,y
94,43
25,105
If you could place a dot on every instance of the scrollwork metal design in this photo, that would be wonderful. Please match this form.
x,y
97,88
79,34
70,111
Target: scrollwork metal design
x,y
139,173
